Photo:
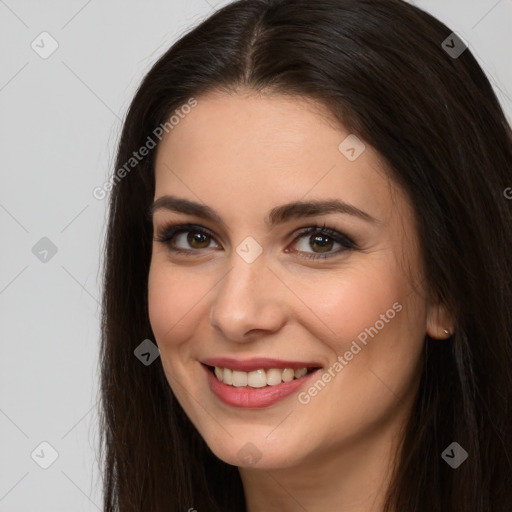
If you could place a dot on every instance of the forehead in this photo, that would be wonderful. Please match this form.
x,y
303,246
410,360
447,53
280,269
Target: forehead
x,y
277,128
262,150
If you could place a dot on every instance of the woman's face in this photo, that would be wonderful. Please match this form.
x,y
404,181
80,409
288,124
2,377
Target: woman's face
x,y
248,291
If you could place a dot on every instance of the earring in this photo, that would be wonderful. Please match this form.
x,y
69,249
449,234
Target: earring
x,y
446,332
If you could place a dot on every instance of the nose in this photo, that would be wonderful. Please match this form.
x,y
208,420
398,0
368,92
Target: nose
x,y
249,301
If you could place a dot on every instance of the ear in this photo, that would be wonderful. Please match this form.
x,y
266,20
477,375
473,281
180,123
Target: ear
x,y
440,324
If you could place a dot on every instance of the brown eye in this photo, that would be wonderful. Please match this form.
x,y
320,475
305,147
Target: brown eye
x,y
320,240
174,237
198,237
317,242
323,242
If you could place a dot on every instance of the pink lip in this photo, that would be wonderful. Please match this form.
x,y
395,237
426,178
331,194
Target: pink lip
x,y
254,398
257,363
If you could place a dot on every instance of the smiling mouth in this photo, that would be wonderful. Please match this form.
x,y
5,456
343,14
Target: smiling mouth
x,y
259,378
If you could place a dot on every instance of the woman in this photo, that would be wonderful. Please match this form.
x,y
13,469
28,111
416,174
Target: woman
x,y
309,219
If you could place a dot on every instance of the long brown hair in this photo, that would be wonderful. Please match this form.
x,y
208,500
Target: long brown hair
x,y
382,69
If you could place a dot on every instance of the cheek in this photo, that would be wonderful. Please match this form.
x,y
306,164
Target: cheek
x,y
347,303
362,387
174,303
370,314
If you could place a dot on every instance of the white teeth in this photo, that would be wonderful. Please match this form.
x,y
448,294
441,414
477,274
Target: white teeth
x,y
288,374
274,377
239,379
258,378
227,377
300,372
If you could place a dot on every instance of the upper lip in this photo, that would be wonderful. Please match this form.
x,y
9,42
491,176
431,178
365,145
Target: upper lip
x,y
257,363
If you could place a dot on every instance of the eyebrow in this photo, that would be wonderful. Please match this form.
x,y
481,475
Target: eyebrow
x,y
277,215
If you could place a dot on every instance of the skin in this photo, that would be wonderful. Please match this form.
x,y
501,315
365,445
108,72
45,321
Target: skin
x,y
242,155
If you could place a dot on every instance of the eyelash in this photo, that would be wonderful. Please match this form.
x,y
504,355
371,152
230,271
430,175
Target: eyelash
x,y
167,234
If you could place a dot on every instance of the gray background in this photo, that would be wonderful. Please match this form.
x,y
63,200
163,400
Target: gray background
x,y
60,119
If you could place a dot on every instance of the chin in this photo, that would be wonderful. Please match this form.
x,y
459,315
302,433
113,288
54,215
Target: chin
x,y
259,452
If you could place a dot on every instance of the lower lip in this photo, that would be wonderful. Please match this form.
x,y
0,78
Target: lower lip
x,y
253,398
